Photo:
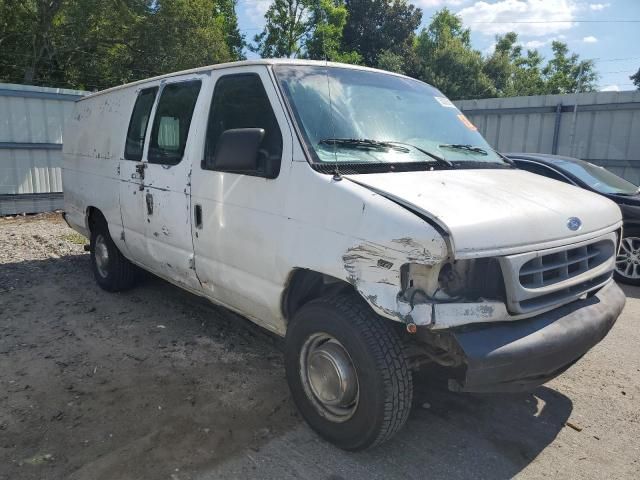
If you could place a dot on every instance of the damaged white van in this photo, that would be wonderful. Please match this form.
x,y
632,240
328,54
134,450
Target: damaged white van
x,y
356,212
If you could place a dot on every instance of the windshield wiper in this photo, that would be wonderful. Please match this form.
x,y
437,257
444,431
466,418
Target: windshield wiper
x,y
365,143
383,145
460,146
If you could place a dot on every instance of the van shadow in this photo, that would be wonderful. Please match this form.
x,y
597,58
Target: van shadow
x,y
630,291
448,435
485,435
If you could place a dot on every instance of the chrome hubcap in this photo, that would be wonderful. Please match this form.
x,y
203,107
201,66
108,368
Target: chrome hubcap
x,y
628,259
329,377
101,254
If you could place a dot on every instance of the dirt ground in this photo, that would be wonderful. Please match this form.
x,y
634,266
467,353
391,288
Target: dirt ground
x,y
155,383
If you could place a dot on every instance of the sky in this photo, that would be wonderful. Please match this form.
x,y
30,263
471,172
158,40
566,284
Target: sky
x,y
585,25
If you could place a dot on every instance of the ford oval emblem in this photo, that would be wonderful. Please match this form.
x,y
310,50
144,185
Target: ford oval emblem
x,y
574,223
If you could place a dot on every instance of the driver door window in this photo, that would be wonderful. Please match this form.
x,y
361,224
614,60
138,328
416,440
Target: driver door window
x,y
240,101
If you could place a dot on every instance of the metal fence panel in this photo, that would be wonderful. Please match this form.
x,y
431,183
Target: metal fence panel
x,y
601,127
31,127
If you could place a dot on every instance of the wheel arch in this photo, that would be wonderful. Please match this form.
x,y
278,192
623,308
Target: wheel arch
x,y
304,285
93,215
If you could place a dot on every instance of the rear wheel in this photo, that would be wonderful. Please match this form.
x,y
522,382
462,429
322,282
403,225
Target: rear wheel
x,y
112,271
628,259
347,373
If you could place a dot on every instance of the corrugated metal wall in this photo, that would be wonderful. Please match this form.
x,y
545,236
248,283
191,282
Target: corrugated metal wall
x,y
31,124
603,129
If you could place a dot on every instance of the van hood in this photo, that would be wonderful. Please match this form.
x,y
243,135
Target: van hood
x,y
496,211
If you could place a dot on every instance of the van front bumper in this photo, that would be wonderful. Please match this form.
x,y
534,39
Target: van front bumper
x,y
520,355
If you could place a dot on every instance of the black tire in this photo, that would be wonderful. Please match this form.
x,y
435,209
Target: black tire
x,y
117,273
620,277
383,377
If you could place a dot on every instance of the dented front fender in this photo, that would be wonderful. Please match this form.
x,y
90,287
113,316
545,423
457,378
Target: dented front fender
x,y
374,271
361,237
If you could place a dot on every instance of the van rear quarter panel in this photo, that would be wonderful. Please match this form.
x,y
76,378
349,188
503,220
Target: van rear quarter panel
x,y
94,140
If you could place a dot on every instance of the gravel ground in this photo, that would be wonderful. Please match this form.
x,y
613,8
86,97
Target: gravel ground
x,y
156,383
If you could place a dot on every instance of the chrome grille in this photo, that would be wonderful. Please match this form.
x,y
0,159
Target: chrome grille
x,y
556,267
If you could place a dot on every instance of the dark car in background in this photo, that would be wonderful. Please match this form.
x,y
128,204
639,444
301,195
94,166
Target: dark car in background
x,y
597,179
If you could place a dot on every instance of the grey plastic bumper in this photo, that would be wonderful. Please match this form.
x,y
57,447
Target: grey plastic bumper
x,y
521,355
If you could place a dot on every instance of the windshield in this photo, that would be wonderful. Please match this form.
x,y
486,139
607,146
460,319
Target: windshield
x,y
598,178
358,116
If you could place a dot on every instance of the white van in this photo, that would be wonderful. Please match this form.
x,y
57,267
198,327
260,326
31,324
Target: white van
x,y
356,212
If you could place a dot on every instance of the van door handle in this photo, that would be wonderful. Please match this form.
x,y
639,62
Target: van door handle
x,y
197,216
140,170
149,199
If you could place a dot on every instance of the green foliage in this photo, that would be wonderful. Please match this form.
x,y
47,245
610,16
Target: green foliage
x,y
516,74
75,238
392,62
377,26
446,59
26,31
512,73
286,24
567,73
169,49
304,28
94,44
226,13
327,21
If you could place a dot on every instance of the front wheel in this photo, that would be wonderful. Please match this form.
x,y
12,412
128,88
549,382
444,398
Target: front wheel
x,y
628,259
347,372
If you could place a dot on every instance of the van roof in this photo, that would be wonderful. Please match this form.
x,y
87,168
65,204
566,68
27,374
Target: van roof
x,y
243,63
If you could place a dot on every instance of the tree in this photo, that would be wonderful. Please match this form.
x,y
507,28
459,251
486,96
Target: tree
x,y
226,13
392,62
376,26
26,29
527,76
304,28
98,43
94,44
635,78
566,73
499,66
327,21
446,59
182,34
511,72
287,24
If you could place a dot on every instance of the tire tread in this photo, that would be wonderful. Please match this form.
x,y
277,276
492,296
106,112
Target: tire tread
x,y
123,272
388,352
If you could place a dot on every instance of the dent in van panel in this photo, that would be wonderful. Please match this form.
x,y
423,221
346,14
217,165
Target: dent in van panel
x,y
374,270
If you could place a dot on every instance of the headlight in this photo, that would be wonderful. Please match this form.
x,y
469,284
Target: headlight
x,y
459,280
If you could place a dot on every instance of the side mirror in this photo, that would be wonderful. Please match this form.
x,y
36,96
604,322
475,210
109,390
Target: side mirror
x,y
237,150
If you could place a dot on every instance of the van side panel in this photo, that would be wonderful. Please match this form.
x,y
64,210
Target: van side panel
x,y
94,141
